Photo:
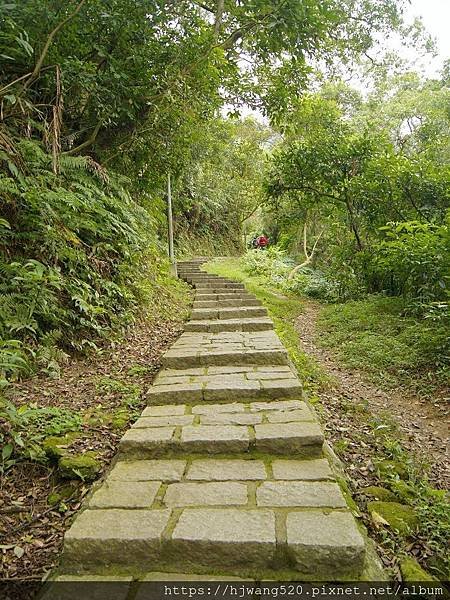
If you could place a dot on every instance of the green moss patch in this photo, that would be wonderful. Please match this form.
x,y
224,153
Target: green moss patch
x,y
84,467
387,468
56,447
412,571
398,516
379,493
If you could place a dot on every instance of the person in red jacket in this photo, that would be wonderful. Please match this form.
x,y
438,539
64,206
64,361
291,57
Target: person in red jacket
x,y
262,242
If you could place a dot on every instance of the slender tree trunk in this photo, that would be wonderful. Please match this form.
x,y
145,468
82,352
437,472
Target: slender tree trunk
x,y
308,257
353,226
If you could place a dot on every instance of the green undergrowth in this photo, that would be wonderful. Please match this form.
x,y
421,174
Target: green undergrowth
x,y
80,257
283,309
407,515
190,245
374,336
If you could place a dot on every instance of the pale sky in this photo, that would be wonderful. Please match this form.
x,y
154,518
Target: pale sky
x,y
435,15
436,18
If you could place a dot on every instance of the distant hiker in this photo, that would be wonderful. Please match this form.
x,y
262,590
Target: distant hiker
x,y
262,242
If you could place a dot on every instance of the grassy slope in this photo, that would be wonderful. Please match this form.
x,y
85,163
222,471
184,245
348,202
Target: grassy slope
x,y
372,335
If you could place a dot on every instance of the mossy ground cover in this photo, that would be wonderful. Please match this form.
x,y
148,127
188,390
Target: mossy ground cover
x,y
380,473
392,349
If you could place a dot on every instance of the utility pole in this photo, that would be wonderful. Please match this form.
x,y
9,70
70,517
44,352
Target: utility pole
x,y
173,264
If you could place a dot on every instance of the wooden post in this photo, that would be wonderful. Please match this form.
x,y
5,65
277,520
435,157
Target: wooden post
x,y
173,264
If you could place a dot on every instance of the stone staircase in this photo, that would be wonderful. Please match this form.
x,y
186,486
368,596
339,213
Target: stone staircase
x,y
224,472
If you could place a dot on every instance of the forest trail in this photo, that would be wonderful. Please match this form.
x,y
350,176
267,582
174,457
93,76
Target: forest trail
x,y
423,424
224,474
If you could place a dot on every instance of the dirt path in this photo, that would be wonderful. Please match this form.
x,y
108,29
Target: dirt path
x,y
423,424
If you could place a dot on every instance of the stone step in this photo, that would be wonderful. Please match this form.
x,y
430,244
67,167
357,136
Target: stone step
x,y
225,348
234,302
228,313
203,280
224,471
201,275
215,325
213,286
226,295
223,384
213,514
286,427
191,270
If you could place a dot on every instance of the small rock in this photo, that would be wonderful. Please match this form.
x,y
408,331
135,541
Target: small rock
x,y
398,516
412,571
79,467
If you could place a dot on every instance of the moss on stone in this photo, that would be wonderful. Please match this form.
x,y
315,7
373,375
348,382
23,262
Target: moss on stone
x,y
412,571
402,490
398,516
347,495
56,447
386,468
379,493
83,467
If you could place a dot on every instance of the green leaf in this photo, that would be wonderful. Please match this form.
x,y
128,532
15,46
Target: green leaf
x,y
7,451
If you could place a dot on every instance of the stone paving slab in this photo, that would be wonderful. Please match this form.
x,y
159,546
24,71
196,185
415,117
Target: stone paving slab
x,y
225,348
102,537
215,538
314,469
300,494
218,286
206,494
243,312
177,385
148,470
216,325
231,427
125,494
289,438
226,303
331,538
219,297
226,469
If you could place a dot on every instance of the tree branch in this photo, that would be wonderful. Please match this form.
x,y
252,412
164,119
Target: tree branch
x,y
307,188
40,61
204,6
218,22
310,256
86,143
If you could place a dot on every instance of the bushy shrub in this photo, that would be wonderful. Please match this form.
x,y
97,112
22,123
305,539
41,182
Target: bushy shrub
x,y
77,256
314,284
276,266
414,261
271,263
